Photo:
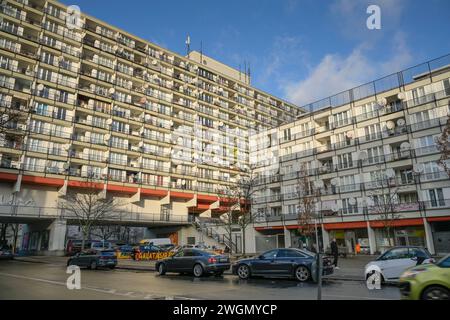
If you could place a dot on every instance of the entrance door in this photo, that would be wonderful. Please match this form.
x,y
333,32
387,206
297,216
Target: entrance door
x,y
441,242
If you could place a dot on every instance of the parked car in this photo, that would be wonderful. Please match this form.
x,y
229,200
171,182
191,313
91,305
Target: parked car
x,y
427,282
74,246
92,259
393,262
155,241
292,263
195,261
167,247
6,253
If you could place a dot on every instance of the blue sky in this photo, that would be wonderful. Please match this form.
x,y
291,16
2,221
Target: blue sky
x,y
300,50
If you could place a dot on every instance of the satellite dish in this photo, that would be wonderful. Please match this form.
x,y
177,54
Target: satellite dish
x,y
334,207
390,125
352,201
66,147
405,146
107,136
334,181
401,122
180,141
350,134
401,96
66,165
111,91
109,121
40,87
390,173
181,88
382,102
363,155
183,182
419,168
319,184
154,62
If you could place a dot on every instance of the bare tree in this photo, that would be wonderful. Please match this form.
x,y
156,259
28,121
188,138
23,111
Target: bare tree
x,y
8,118
88,207
443,145
231,203
307,196
15,234
105,232
385,205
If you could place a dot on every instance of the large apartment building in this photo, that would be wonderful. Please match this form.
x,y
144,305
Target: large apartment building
x,y
165,131
370,158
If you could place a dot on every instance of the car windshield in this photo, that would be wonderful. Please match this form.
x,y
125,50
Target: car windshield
x,y
444,262
107,253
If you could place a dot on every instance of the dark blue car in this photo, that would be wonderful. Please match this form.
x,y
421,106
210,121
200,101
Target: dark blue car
x,y
290,263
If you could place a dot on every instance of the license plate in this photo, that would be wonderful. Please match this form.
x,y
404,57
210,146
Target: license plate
x,y
223,260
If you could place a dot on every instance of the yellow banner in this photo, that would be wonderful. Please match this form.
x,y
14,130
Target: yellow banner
x,y
144,255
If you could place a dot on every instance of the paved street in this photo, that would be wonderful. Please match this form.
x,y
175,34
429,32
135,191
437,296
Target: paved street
x,y
25,280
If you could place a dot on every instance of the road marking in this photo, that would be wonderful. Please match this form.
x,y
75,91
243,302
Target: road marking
x,y
108,291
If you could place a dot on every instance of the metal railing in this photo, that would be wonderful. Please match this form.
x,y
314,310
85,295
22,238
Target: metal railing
x,y
25,211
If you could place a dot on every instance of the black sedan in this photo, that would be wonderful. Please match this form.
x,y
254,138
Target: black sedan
x,y
92,259
291,263
195,261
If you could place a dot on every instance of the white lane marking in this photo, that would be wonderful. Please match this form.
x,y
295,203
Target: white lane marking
x,y
108,291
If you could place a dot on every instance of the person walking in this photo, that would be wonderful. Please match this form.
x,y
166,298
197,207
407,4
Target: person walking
x,y
335,252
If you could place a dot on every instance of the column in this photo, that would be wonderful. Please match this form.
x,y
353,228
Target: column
x,y
287,238
428,236
57,237
372,241
325,238
250,241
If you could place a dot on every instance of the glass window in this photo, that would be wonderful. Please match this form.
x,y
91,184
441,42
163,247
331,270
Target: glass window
x,y
444,263
270,254
399,253
285,253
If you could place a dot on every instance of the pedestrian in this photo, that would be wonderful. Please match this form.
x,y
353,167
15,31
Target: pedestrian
x,y
358,248
335,252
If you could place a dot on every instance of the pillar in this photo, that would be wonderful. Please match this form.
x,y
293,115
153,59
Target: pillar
x,y
325,238
428,236
372,241
287,238
57,237
250,241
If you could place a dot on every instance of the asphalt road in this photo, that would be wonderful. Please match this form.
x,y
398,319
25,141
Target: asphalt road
x,y
22,280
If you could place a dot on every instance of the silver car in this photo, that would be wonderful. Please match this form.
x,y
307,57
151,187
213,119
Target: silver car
x,y
391,264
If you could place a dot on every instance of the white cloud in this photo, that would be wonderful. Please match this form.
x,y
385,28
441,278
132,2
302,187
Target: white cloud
x,y
336,73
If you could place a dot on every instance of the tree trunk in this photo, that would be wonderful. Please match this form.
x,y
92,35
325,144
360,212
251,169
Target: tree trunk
x,y
243,240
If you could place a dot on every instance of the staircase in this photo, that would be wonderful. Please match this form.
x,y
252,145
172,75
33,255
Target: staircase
x,y
209,227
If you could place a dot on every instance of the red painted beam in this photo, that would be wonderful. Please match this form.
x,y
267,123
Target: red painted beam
x,y
8,176
398,223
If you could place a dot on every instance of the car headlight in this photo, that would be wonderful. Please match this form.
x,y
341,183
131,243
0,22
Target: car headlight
x,y
411,274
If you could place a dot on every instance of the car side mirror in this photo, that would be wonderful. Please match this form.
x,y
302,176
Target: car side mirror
x,y
261,257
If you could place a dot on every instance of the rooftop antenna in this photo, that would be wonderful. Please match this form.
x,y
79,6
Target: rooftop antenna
x,y
239,71
188,46
245,71
249,74
201,52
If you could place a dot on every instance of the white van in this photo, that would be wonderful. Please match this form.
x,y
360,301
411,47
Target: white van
x,y
156,241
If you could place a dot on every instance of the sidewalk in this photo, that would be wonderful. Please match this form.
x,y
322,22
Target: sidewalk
x,y
350,268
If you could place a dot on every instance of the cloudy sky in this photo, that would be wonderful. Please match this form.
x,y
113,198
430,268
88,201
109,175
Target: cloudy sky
x,y
300,50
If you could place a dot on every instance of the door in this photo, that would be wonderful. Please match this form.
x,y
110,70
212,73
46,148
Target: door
x,y
263,264
175,262
286,261
395,262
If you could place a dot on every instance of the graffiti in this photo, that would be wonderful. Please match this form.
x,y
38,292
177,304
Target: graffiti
x,y
145,255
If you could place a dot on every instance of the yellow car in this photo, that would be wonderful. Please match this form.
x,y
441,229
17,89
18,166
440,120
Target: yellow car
x,y
427,282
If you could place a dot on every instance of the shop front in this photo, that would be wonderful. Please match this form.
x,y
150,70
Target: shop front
x,y
441,234
348,235
399,236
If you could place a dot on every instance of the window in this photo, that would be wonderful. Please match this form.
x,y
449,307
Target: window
x,y
341,118
375,155
270,254
344,161
399,253
436,197
286,253
372,132
348,208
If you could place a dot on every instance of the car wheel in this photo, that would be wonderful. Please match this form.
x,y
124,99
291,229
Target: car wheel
x,y
198,270
243,272
161,269
302,273
93,265
436,293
